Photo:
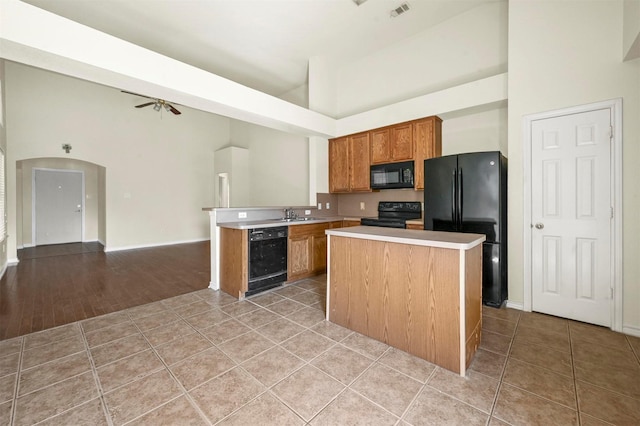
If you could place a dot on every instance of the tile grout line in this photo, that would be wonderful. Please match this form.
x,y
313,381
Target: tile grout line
x,y
504,370
94,372
416,396
16,389
184,391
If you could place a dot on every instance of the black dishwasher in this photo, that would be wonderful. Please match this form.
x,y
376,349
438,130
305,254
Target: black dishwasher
x,y
267,258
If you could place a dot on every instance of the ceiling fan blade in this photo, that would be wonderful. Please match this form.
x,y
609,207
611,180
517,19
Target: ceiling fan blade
x,y
173,109
136,94
144,105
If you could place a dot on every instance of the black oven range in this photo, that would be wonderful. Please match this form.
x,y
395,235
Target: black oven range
x,y
394,214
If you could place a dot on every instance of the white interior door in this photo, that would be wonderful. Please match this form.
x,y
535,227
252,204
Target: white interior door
x,y
58,206
571,212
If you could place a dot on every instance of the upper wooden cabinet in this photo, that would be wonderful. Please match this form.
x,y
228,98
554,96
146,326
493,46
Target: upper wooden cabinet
x,y
350,157
427,139
391,144
349,162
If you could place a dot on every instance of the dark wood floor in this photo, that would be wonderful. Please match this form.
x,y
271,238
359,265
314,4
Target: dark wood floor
x,y
56,285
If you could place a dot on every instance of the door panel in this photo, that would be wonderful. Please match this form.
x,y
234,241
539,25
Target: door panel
x,y
58,206
439,197
494,277
571,215
479,174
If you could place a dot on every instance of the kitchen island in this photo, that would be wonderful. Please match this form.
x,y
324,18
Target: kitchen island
x,y
419,291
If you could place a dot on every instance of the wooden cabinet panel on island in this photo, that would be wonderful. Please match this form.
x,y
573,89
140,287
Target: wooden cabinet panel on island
x,y
420,292
307,249
349,162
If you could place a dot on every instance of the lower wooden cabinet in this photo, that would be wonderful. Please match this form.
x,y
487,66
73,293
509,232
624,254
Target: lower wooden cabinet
x,y
234,263
307,249
348,223
306,255
415,226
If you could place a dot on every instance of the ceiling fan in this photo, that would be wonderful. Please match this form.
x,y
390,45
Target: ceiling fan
x,y
158,104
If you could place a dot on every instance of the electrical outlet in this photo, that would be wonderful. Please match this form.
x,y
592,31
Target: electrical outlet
x,y
328,206
306,212
319,206
361,205
242,215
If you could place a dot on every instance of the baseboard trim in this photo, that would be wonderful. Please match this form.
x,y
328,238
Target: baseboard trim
x,y
213,286
515,305
141,246
631,330
12,262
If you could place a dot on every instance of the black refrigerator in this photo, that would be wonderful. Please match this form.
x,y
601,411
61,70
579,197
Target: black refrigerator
x,y
468,193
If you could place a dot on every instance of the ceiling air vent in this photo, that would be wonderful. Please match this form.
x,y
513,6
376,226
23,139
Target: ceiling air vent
x,y
404,7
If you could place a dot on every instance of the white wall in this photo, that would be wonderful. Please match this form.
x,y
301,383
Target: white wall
x,y
159,170
465,48
3,147
481,131
279,164
561,54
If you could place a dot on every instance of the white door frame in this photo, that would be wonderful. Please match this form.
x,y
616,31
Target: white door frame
x,y
615,106
33,199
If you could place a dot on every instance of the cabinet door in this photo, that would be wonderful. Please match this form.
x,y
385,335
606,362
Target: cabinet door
x,y
319,253
360,162
299,257
380,146
401,143
339,165
234,263
427,136
347,223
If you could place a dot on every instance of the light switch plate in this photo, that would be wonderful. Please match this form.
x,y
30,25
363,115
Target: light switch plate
x,y
328,206
242,215
361,205
319,206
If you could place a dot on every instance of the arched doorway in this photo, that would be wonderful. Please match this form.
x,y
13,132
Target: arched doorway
x,y
92,203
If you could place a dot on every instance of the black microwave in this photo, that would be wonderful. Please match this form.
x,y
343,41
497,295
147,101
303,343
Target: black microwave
x,y
392,175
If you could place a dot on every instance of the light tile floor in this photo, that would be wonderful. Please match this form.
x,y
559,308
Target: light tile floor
x,y
204,358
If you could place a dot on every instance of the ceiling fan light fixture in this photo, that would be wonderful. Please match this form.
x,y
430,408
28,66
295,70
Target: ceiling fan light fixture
x,y
358,2
157,106
167,107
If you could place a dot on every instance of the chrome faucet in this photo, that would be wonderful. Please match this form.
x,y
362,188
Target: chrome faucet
x,y
289,213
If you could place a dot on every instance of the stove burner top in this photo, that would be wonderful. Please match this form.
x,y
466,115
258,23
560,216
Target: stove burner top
x,y
394,214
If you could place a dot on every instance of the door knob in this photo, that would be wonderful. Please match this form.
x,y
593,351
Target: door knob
x,y
539,225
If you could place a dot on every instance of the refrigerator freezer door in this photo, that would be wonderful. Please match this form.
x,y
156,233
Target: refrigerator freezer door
x,y
440,210
494,277
479,182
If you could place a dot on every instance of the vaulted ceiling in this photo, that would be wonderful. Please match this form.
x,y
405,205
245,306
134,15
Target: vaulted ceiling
x,y
261,44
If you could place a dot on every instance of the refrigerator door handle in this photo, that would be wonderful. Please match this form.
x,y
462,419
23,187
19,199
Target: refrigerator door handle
x,y
454,185
459,199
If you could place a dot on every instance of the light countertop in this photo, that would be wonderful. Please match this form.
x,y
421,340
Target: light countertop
x,y
272,223
418,237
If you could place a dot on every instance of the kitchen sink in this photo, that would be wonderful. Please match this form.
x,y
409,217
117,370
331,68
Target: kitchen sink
x,y
297,219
